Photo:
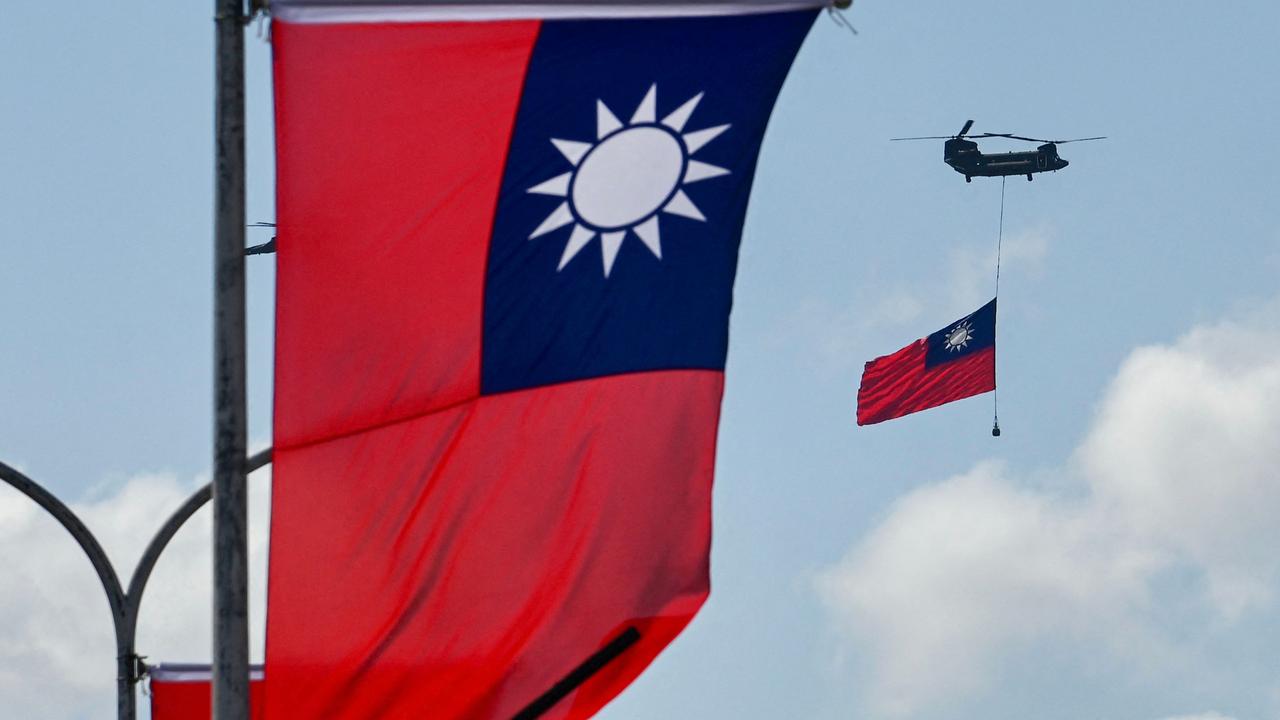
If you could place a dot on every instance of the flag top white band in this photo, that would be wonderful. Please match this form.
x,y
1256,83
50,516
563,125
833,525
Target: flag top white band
x,y
181,672
383,11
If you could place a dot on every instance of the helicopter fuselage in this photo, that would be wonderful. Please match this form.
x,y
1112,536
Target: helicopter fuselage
x,y
964,157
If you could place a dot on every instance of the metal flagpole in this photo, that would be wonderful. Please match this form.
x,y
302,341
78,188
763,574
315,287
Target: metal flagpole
x,y
230,505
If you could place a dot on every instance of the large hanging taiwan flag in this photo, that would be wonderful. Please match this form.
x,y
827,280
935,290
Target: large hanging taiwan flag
x,y
507,241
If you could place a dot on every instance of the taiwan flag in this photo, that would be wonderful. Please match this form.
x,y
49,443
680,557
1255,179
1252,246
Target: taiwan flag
x,y
954,363
507,240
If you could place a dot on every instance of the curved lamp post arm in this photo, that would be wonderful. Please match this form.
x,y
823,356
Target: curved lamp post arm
x,y
126,670
70,521
124,606
147,563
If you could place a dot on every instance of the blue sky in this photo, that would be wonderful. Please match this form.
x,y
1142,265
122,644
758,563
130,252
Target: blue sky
x,y
1107,557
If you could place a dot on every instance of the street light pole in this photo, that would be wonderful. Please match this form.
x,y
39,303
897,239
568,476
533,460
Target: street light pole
x,y
230,504
125,606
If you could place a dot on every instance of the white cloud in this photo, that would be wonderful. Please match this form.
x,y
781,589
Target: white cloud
x,y
1176,478
835,338
1185,451
971,271
57,652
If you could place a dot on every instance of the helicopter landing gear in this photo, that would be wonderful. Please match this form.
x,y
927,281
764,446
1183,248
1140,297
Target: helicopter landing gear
x,y
1030,177
968,179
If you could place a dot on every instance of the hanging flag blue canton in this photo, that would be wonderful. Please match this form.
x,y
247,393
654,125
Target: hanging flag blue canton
x,y
627,181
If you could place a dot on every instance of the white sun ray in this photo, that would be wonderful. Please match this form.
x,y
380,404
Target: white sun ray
x,y
610,243
606,121
695,172
578,240
623,181
559,185
648,109
681,205
558,218
696,140
677,119
572,150
648,233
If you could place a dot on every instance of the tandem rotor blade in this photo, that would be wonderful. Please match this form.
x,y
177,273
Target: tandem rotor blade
x,y
1038,140
965,129
928,137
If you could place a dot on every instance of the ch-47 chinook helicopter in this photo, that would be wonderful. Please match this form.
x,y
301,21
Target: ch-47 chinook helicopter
x,y
962,154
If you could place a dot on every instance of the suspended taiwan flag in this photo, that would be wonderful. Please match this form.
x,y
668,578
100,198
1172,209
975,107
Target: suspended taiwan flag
x,y
957,362
507,241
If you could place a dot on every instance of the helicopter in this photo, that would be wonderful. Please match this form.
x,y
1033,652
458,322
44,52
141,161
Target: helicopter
x,y
962,154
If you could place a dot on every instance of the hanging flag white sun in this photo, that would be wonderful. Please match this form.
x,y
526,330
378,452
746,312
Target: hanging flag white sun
x,y
959,336
624,180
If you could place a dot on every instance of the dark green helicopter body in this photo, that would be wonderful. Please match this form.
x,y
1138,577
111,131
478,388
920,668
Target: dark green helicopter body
x,y
963,155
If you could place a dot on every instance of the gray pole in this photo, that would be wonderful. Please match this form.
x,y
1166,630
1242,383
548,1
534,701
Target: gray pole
x,y
230,506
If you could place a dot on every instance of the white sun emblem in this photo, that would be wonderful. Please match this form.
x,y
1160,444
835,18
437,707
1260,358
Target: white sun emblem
x,y
629,175
959,336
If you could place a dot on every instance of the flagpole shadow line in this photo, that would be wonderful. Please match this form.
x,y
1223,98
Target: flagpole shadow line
x,y
579,675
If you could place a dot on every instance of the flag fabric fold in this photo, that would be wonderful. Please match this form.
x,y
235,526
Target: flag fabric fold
x,y
954,363
506,250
